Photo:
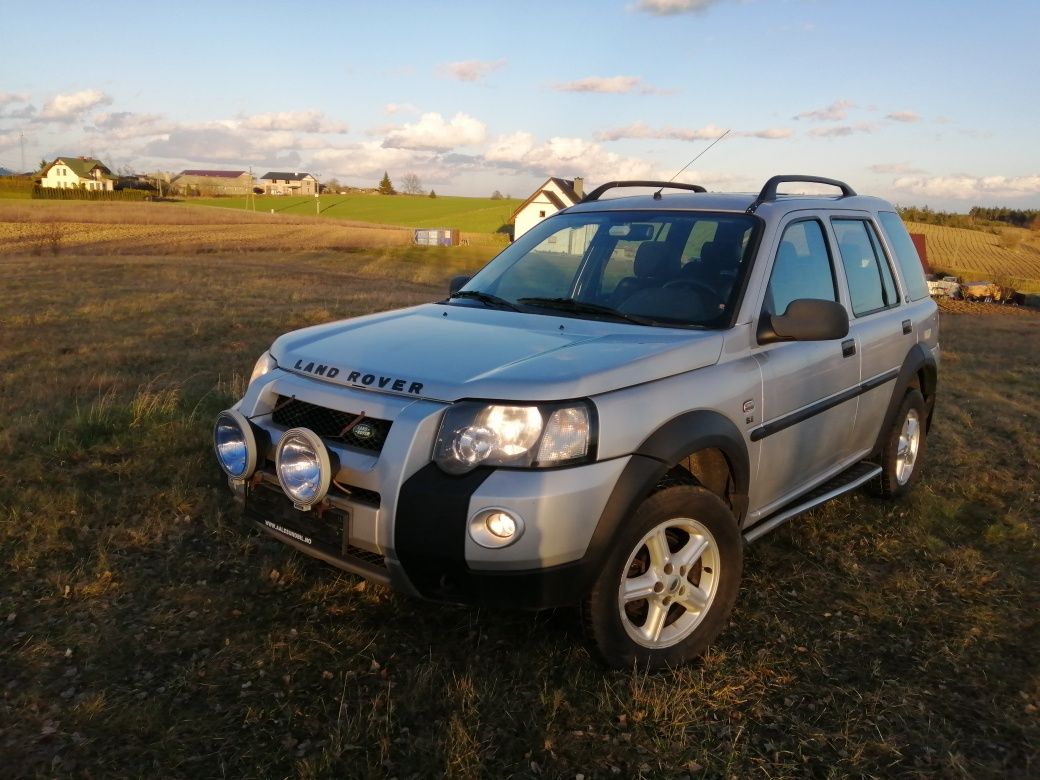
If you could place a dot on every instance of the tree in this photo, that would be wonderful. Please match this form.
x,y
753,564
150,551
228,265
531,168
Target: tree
x,y
411,184
496,195
432,194
386,187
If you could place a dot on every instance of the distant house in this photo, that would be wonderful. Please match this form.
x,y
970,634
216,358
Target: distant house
x,y
282,183
550,197
210,183
75,173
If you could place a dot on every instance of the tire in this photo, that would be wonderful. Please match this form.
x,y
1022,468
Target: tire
x,y
653,604
904,448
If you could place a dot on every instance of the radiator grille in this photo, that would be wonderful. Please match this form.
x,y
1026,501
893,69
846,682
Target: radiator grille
x,y
368,434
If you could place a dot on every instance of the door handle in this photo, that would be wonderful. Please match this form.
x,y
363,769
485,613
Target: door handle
x,y
848,348
908,326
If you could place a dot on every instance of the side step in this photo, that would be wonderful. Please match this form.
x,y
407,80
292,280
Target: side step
x,y
846,481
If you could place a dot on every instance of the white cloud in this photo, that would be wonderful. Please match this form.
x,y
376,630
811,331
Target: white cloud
x,y
769,133
564,157
840,131
962,187
672,7
903,116
642,130
216,143
897,168
706,133
300,121
9,139
835,112
124,125
472,70
68,108
616,85
368,160
400,108
13,97
434,133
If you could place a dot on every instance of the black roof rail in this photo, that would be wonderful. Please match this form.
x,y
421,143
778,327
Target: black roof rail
x,y
769,190
594,195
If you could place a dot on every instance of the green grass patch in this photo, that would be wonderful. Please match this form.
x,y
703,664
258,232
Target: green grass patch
x,y
471,215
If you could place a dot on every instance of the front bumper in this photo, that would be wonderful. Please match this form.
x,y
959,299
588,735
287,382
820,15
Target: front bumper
x,y
395,518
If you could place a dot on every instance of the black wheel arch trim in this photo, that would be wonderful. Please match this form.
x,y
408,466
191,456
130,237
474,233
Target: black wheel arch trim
x,y
919,361
702,429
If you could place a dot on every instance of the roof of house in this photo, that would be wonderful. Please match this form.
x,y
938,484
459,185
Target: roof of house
x,y
286,176
81,166
214,174
566,186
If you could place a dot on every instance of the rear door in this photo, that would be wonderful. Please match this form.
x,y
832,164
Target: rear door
x,y
806,421
879,324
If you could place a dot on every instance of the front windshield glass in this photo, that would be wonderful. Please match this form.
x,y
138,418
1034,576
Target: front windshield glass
x,y
667,268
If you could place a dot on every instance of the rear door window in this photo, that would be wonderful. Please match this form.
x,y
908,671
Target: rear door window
x,y
906,255
872,286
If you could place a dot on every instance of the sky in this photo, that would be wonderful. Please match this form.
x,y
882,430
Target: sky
x,y
923,102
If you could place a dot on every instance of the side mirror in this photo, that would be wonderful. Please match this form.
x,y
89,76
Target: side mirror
x,y
457,283
806,319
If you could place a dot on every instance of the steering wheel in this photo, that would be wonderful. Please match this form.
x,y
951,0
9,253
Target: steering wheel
x,y
709,298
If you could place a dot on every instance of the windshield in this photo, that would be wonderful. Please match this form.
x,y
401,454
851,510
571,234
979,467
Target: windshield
x,y
668,268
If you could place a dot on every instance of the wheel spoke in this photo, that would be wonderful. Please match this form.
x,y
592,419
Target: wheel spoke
x,y
694,548
640,587
660,555
655,618
695,599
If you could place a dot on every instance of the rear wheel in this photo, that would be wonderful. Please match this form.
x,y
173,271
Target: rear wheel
x,y
904,450
669,583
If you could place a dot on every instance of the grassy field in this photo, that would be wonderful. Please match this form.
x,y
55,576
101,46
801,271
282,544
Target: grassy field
x,y
1010,254
52,227
471,215
144,631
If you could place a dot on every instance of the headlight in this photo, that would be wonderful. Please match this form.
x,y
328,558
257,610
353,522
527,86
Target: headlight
x,y
235,444
476,434
264,365
304,467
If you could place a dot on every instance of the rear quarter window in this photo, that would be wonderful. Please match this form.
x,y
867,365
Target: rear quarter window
x,y
906,255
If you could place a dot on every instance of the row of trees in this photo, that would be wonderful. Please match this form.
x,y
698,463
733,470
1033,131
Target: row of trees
x,y
978,217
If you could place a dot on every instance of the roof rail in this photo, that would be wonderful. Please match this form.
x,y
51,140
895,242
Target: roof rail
x,y
594,195
768,192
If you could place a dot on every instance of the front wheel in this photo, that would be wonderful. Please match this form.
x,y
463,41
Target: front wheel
x,y
669,583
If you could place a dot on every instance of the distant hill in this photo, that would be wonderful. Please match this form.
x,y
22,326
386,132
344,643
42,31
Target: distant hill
x,y
5,172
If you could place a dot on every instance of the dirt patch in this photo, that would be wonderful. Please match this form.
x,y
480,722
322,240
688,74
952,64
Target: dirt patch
x,y
951,306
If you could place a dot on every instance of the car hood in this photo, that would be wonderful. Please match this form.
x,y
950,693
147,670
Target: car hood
x,y
447,352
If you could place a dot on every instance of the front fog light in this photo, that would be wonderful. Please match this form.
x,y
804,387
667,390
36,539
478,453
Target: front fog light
x,y
235,444
304,467
495,527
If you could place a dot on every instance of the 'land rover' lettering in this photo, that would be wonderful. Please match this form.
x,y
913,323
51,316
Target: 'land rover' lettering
x,y
356,377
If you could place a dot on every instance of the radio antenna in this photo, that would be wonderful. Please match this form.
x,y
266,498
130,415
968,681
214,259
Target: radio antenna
x,y
695,159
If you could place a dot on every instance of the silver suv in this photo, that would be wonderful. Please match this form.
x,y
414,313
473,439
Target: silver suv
x,y
606,412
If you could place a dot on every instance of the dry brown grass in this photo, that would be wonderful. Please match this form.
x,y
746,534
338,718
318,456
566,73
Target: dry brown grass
x,y
160,228
146,631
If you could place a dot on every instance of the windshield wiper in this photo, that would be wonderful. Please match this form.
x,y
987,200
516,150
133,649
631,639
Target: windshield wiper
x,y
483,297
581,307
